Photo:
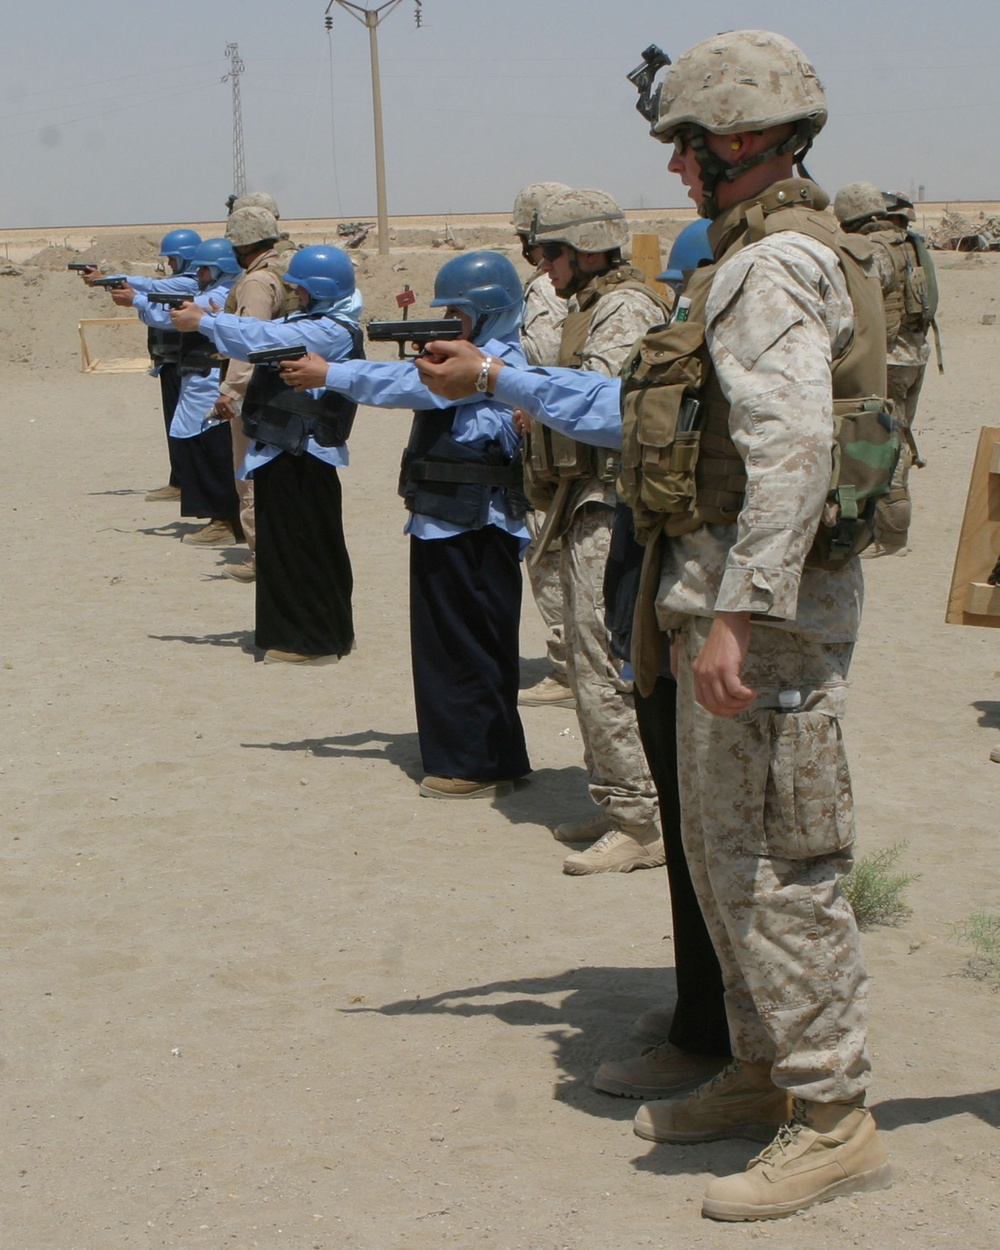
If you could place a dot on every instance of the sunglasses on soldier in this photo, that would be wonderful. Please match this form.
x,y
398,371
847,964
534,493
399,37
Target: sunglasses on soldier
x,y
552,251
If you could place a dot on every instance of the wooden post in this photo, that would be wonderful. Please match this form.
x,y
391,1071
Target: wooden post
x,y
972,601
646,256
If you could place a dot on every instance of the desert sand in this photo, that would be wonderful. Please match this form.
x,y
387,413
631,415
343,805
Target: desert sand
x,y
258,993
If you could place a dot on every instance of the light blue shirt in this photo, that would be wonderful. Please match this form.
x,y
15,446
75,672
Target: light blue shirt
x,y
478,420
580,403
176,284
238,336
197,394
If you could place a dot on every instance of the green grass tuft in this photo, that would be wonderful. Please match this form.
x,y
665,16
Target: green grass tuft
x,y
875,892
982,932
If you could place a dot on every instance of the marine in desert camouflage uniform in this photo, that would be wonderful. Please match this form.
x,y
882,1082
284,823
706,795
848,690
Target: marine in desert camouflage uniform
x,y
763,638
582,234
884,219
541,334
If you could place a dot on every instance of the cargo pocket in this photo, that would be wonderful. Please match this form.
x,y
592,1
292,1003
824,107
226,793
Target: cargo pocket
x,y
808,811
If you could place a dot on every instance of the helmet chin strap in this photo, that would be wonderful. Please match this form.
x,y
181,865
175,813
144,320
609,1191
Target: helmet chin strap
x,y
715,170
580,279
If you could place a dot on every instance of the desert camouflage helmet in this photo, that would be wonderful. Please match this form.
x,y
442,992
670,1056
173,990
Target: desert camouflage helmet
x,y
258,199
589,221
251,225
741,80
529,200
857,202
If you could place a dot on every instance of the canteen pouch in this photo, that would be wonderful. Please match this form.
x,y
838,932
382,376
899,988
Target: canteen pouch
x,y
867,441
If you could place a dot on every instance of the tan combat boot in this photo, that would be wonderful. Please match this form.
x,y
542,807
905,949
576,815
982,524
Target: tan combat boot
x,y
658,1072
827,1150
552,691
741,1101
618,851
214,534
588,830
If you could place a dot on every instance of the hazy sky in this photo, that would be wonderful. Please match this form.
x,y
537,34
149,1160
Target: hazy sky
x,y
113,111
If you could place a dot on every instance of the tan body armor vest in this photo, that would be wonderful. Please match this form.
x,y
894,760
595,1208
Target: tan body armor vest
x,y
277,263
680,468
551,457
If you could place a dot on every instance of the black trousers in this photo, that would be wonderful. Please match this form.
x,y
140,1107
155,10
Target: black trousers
x,y
170,390
700,1026
304,578
465,609
204,466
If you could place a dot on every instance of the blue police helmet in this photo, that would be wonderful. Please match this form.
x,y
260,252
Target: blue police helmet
x,y
486,286
180,243
324,271
689,250
218,255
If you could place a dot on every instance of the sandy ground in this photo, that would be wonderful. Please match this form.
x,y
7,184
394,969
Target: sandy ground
x,y
258,993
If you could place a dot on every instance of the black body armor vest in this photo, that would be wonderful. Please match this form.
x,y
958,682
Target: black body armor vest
x,y
452,481
275,414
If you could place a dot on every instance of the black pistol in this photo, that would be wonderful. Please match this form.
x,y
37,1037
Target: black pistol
x,y
419,332
111,284
271,357
81,266
169,299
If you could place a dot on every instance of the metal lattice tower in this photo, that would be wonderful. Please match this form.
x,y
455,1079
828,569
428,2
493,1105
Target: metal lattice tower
x,y
235,69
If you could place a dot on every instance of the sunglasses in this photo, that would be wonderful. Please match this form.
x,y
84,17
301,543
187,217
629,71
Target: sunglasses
x,y
681,142
552,251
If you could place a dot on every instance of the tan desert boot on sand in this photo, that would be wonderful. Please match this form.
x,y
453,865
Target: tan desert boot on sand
x,y
741,1101
661,1071
826,1151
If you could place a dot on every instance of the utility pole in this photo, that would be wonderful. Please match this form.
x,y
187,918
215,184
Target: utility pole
x,y
236,68
371,18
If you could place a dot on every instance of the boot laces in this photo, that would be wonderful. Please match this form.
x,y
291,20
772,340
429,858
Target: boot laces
x,y
720,1078
785,1137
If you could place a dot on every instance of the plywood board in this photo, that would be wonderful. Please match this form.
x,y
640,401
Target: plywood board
x,y
979,540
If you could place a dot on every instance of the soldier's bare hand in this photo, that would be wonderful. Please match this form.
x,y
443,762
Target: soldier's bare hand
x,y
224,408
718,686
522,421
304,374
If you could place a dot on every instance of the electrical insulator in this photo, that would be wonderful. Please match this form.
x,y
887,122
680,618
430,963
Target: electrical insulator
x,y
328,21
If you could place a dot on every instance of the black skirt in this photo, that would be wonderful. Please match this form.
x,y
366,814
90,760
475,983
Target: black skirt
x,y
304,579
465,609
204,467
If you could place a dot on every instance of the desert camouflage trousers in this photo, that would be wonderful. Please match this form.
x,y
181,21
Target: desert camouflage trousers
x,y
617,771
244,490
768,828
894,512
543,576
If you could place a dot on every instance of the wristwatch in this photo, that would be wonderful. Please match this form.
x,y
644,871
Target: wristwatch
x,y
483,381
